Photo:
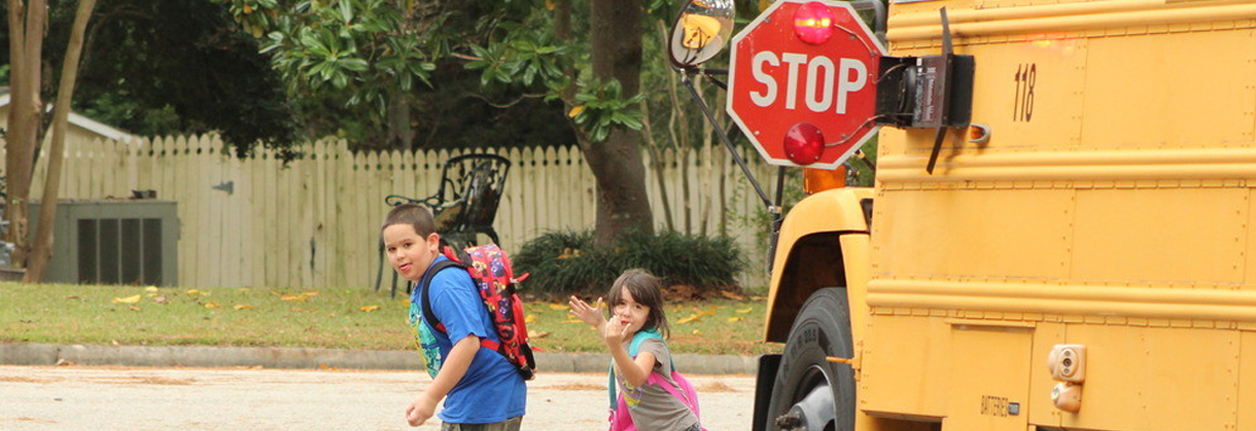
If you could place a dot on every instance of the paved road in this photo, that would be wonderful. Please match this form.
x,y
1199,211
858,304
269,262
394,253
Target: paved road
x,y
185,399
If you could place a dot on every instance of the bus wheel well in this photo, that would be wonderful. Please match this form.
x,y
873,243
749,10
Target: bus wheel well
x,y
815,262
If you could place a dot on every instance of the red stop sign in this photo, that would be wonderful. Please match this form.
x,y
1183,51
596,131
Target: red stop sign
x,y
779,81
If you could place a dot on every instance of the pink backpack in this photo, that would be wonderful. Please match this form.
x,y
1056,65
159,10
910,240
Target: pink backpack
x,y
620,419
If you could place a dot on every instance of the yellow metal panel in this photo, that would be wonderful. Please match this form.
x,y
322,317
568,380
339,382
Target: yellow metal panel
x,y
856,281
1039,111
1156,379
982,385
984,233
906,361
1164,91
1040,410
1246,400
990,4
1009,98
1191,236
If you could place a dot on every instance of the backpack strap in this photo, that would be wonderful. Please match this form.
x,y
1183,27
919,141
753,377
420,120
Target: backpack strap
x,y
424,286
426,302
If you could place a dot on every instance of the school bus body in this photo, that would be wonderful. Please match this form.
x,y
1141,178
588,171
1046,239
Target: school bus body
x,y
1111,208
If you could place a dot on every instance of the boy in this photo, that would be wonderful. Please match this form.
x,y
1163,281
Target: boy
x,y
484,391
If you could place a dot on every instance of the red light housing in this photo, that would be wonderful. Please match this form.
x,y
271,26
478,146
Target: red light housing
x,y
813,22
804,144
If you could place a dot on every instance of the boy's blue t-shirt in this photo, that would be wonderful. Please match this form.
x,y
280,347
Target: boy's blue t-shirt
x,y
491,390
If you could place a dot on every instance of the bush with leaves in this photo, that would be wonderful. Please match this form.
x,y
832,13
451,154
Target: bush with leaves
x,y
562,263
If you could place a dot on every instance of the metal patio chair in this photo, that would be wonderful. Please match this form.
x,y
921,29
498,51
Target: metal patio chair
x,y
464,205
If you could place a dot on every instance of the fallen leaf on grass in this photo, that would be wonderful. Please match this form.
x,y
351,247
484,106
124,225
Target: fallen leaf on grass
x,y
691,318
734,319
541,334
291,297
744,310
211,304
701,312
160,299
369,308
150,289
197,292
128,300
697,332
731,295
572,321
243,307
133,308
531,318
71,297
557,307
325,367
310,293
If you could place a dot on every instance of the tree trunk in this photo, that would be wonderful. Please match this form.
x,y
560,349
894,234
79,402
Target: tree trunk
x,y
622,204
42,250
25,113
400,132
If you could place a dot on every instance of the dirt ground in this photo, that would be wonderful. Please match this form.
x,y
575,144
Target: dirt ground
x,y
120,398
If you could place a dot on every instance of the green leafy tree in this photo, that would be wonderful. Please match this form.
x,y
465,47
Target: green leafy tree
x,y
372,52
367,54
156,67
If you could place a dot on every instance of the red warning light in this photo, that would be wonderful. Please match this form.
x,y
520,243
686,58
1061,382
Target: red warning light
x,y
813,22
804,144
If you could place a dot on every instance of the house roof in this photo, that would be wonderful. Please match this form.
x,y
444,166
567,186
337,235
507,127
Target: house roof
x,y
89,124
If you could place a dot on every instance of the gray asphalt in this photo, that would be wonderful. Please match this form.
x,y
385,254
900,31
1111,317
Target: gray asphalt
x,y
304,358
38,398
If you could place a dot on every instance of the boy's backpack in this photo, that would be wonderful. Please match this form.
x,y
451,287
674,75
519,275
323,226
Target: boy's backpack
x,y
494,278
620,419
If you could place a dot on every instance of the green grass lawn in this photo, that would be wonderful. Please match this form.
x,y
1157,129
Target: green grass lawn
x,y
327,318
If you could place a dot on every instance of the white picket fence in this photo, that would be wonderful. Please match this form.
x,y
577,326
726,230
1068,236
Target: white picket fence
x,y
314,222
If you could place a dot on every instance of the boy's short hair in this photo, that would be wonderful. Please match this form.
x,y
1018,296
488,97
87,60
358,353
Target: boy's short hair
x,y
415,215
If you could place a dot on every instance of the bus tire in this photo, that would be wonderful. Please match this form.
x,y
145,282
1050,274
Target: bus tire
x,y
810,391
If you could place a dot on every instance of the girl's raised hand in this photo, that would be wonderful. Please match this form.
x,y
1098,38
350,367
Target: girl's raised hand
x,y
590,315
615,333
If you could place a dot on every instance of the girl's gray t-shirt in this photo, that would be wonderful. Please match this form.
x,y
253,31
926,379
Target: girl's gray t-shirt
x,y
651,406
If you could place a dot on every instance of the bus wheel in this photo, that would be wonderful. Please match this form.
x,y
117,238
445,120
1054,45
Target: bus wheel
x,y
812,393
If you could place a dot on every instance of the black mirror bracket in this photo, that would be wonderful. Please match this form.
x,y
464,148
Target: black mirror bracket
x,y
932,91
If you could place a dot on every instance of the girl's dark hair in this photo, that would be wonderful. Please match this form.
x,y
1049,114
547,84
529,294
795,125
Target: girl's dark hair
x,y
647,290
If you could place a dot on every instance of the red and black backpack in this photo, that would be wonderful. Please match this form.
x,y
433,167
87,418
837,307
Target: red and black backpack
x,y
494,278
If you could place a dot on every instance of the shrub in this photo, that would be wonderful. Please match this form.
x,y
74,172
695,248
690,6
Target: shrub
x,y
568,263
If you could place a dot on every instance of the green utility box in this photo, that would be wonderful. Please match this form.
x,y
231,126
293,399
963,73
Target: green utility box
x,y
113,242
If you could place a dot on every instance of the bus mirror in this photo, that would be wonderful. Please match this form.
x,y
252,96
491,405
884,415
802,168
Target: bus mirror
x,y
702,29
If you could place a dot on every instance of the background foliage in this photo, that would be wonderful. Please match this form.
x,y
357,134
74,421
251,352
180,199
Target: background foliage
x,y
561,263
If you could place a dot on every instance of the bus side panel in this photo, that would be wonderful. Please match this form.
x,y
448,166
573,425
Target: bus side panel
x,y
987,391
1247,383
932,233
1191,90
905,363
1156,379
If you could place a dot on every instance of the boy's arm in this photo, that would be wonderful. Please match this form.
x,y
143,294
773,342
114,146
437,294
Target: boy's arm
x,y
455,366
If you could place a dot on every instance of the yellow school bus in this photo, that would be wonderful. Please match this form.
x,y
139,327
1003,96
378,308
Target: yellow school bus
x,y
1086,266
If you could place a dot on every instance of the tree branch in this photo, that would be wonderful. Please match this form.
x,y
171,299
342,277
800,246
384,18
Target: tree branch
x,y
521,98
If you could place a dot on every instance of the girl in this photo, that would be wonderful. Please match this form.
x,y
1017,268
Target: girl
x,y
637,320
